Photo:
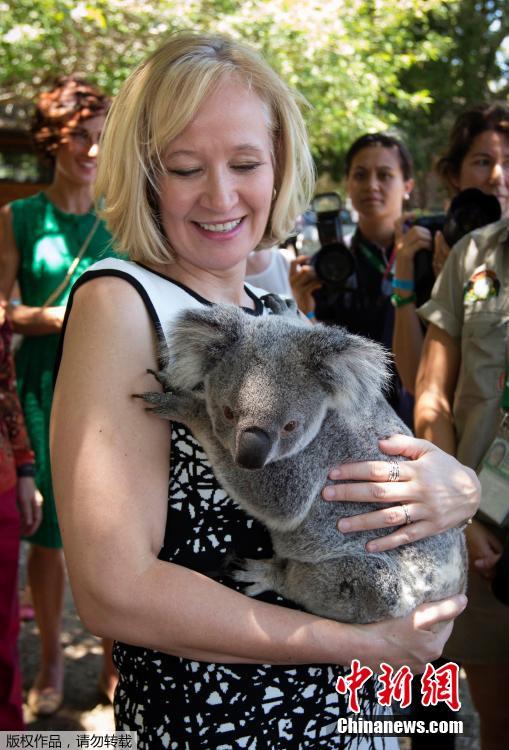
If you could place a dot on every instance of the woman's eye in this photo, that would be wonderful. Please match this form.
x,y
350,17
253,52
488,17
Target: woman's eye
x,y
290,427
248,166
184,172
228,413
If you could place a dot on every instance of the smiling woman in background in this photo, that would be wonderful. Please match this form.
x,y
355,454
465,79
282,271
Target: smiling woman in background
x,y
47,241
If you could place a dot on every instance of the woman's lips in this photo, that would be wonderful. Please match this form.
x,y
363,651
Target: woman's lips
x,y
219,230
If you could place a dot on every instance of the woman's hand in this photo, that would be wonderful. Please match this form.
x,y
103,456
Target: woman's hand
x,y
440,252
30,505
436,492
413,640
304,282
484,549
409,241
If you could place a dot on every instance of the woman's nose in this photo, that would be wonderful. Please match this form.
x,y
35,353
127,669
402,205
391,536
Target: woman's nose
x,y
220,192
497,174
372,181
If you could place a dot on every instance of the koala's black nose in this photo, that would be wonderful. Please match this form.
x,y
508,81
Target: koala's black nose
x,y
253,448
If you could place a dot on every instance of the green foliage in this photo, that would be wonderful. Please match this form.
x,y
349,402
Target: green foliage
x,y
473,68
343,56
361,64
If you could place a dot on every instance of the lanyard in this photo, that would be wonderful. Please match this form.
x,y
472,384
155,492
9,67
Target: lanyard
x,y
382,267
505,395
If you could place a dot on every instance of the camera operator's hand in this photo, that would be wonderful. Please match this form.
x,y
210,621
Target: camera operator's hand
x,y
304,282
440,252
408,241
484,549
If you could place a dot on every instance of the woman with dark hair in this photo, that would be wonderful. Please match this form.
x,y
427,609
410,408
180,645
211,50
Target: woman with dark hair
x,y
459,390
48,240
477,157
379,179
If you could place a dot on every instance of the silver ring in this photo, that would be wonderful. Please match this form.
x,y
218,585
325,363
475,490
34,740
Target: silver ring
x,y
407,515
393,470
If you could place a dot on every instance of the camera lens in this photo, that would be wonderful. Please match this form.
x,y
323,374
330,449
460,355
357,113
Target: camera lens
x,y
333,263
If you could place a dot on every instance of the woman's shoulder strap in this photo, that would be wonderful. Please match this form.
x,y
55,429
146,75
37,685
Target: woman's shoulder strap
x,y
162,297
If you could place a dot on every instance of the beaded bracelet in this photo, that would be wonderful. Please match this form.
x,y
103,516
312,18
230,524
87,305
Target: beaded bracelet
x,y
398,301
406,284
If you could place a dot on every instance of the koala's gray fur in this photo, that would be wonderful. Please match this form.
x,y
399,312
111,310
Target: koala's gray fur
x,y
237,381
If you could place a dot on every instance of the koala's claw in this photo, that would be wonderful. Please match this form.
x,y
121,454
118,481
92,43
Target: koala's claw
x,y
159,402
256,572
161,377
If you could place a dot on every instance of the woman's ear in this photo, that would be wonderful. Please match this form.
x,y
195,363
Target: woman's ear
x,y
454,182
409,186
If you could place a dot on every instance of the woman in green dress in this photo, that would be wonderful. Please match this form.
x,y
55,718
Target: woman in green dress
x,y
48,240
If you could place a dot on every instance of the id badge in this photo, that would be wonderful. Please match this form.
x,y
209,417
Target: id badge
x,y
494,478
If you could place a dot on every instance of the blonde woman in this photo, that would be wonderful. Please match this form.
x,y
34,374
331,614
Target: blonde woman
x,y
204,159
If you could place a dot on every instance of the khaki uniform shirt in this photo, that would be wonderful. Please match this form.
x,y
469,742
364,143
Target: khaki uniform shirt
x,y
470,301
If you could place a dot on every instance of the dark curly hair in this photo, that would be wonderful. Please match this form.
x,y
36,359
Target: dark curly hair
x,y
385,140
467,127
70,101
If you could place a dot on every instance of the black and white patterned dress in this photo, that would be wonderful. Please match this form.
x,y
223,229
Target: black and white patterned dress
x,y
181,704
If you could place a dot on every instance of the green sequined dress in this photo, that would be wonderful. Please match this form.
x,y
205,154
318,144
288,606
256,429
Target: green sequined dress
x,y
48,240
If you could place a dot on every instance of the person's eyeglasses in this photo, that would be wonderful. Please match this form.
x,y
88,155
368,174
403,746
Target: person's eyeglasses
x,y
82,138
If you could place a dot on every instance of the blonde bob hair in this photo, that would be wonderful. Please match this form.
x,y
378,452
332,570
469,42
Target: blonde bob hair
x,y
156,103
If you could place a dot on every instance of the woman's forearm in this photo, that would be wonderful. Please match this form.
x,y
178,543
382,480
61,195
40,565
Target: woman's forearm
x,y
435,386
194,617
433,421
407,344
36,321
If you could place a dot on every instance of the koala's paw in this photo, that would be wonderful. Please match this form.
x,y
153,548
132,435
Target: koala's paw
x,y
280,305
257,572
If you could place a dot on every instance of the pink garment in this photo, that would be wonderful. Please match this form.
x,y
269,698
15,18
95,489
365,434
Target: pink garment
x,y
11,703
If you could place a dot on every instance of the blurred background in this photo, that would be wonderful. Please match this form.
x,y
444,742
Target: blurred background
x,y
361,65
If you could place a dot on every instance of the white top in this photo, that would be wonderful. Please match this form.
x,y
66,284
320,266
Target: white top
x,y
168,297
275,278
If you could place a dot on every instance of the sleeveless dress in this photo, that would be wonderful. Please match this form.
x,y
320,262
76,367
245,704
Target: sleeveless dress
x,y
48,240
183,704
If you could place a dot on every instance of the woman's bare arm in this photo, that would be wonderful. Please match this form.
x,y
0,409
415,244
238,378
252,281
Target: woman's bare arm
x,y
110,468
29,321
407,336
435,385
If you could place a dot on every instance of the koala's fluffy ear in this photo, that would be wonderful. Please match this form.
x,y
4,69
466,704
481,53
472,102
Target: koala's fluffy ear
x,y
197,341
355,370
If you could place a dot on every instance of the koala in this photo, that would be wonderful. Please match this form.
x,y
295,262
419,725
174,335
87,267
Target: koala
x,y
275,403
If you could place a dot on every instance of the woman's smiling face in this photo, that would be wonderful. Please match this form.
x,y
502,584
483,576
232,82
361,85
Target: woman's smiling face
x,y
216,193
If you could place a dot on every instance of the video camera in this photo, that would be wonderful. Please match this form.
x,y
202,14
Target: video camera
x,y
470,209
333,261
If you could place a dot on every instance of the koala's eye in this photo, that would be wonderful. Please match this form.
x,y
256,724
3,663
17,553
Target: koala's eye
x,y
290,427
228,413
